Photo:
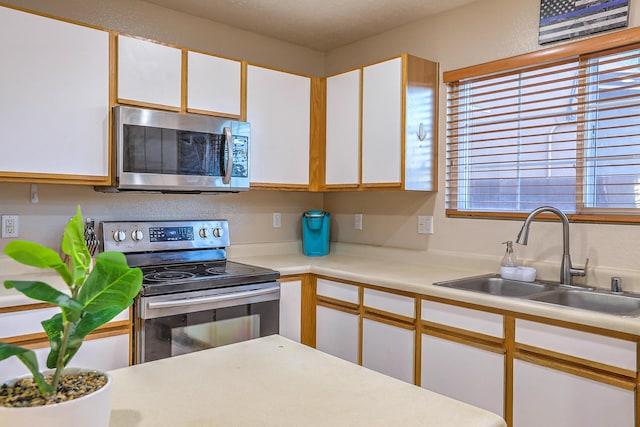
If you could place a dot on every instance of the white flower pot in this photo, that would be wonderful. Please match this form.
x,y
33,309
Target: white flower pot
x,y
92,410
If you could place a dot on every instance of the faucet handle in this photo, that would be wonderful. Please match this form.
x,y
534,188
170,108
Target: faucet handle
x,y
579,271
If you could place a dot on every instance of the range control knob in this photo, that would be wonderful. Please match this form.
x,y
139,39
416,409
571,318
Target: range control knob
x,y
119,236
204,233
137,235
218,232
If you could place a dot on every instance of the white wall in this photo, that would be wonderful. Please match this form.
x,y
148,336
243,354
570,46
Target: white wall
x,y
482,31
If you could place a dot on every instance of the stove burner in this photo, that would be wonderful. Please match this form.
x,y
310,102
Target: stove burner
x,y
164,276
181,267
216,269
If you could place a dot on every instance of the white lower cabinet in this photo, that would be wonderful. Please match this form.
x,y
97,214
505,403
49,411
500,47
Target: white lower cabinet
x,y
291,309
466,373
102,353
546,397
337,333
388,349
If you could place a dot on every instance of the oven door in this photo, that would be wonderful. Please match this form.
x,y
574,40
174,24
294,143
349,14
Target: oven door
x,y
174,324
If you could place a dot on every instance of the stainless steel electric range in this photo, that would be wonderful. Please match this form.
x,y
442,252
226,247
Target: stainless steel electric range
x,y
192,298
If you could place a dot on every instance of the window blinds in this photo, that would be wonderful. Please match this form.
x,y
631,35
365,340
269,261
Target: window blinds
x,y
564,133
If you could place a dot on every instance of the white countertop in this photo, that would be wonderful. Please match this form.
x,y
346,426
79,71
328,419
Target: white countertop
x,y
273,381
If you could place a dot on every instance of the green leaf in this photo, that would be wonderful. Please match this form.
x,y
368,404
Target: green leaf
x,y
36,255
79,330
74,245
111,283
29,359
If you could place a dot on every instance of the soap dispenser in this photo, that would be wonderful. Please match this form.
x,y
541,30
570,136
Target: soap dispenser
x,y
509,258
509,264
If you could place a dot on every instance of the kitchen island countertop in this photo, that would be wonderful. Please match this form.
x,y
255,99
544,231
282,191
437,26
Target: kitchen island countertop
x,y
273,381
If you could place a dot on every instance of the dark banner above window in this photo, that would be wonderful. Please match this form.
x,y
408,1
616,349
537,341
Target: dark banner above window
x,y
569,19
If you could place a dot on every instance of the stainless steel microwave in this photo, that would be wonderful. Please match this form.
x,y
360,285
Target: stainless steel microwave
x,y
165,151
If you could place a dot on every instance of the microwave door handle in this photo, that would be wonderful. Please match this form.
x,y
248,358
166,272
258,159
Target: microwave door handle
x,y
226,179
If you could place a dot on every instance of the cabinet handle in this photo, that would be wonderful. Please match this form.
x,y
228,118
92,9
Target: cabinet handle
x,y
227,173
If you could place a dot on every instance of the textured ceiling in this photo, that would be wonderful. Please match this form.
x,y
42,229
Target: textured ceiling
x,y
318,24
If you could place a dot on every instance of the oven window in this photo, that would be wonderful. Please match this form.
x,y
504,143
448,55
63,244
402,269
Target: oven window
x,y
177,334
187,339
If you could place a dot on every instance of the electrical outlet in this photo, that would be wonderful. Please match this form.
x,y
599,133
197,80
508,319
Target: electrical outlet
x,y
425,225
357,221
277,220
9,226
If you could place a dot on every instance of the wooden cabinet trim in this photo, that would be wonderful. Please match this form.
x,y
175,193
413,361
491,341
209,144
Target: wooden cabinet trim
x,y
40,339
148,105
279,187
389,318
337,304
463,336
523,349
25,307
578,370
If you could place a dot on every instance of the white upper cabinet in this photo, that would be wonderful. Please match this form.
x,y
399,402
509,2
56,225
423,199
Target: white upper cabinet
x,y
278,108
382,122
149,73
55,99
381,126
343,129
213,84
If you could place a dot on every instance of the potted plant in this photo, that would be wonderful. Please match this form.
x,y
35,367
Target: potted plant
x,y
96,295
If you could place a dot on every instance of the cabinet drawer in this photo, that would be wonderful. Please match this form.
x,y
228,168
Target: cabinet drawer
x,y
25,322
463,318
337,290
392,303
598,348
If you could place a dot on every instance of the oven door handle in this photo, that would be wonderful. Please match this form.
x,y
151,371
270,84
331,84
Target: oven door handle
x,y
229,167
212,298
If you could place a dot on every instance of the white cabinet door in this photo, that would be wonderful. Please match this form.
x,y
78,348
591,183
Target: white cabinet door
x,y
213,84
463,372
382,122
545,397
278,108
343,129
104,354
55,96
291,309
149,73
337,333
388,349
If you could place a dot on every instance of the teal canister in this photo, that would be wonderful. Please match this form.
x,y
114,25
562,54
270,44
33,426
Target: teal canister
x,y
315,232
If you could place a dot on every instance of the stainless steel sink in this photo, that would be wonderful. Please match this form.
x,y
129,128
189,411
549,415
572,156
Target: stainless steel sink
x,y
624,304
495,285
620,304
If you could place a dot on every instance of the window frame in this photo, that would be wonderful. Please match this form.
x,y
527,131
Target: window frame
x,y
583,49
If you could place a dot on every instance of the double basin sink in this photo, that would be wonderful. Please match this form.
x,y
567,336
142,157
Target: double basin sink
x,y
621,304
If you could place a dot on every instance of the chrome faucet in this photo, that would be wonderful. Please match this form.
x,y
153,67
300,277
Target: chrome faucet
x,y
567,271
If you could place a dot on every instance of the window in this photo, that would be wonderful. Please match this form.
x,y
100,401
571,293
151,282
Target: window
x,y
565,133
